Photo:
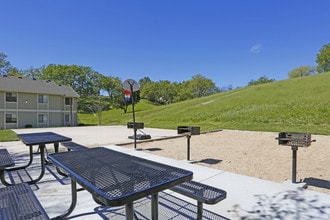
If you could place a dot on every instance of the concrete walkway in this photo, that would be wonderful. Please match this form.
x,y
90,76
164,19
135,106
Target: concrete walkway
x,y
247,197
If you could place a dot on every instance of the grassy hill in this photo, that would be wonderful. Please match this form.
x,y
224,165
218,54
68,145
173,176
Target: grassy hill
x,y
299,104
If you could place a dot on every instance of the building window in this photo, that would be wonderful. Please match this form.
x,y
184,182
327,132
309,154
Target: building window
x,y
66,118
11,118
67,101
11,97
43,99
42,118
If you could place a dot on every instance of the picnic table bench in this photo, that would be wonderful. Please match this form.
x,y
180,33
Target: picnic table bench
x,y
5,161
19,202
70,145
201,192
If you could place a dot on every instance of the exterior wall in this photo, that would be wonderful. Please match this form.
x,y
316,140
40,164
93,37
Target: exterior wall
x,y
2,100
27,118
28,110
2,106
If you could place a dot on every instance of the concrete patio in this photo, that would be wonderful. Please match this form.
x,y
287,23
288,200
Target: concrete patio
x,y
247,197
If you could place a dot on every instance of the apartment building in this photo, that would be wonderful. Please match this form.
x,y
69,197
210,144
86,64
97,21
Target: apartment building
x,y
27,102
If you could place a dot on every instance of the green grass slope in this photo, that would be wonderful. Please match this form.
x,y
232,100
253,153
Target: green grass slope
x,y
300,104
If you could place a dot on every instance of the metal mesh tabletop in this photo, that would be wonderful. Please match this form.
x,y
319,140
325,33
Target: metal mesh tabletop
x,y
42,138
116,178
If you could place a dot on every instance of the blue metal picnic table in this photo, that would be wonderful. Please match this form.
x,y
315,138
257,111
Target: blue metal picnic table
x,y
115,178
39,139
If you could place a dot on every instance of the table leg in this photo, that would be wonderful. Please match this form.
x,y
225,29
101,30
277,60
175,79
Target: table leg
x,y
56,147
154,206
25,166
3,180
129,211
73,201
60,172
42,164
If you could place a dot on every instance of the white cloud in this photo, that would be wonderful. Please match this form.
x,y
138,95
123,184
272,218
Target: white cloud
x,y
256,48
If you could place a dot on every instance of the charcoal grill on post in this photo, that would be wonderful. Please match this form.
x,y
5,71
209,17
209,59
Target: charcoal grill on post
x,y
294,140
188,131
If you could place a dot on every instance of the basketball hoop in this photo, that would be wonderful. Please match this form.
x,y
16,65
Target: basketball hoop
x,y
127,94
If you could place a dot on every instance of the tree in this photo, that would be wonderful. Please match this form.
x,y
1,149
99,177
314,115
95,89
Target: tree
x,y
166,92
323,59
161,92
261,80
301,71
113,86
83,79
7,69
198,86
32,72
13,71
94,105
5,65
150,91
145,80
201,86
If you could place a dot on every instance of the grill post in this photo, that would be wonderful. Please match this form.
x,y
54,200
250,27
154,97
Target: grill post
x,y
294,163
188,131
188,147
294,140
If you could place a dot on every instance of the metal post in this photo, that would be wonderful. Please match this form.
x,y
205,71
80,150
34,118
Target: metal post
x,y
294,163
199,210
129,209
188,147
73,201
132,98
154,206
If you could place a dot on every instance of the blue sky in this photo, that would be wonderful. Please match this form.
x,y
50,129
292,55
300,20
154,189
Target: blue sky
x,y
228,41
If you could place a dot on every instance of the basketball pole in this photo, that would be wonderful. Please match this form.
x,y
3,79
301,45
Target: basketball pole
x,y
132,98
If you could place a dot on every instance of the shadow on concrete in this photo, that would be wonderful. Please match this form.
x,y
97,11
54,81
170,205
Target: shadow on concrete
x,y
285,205
170,207
209,161
154,149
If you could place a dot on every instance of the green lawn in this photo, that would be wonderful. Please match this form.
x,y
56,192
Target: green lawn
x,y
300,104
296,105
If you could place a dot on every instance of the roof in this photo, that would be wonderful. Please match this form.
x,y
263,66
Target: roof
x,y
29,85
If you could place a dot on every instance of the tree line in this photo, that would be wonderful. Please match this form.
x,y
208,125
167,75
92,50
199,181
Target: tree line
x,y
323,64
92,85
99,92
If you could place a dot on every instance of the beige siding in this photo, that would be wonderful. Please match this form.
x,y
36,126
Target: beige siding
x,y
56,119
27,118
28,109
2,106
27,101
11,105
2,100
42,106
2,120
56,102
11,126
